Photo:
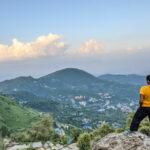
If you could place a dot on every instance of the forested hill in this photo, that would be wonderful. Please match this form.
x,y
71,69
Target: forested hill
x,y
66,82
15,116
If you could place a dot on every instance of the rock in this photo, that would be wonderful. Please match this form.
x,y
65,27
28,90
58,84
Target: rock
x,y
54,147
73,146
50,144
59,146
41,149
46,145
16,147
37,145
65,148
120,141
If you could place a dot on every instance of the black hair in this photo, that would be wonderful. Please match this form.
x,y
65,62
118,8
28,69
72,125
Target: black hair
x,y
148,77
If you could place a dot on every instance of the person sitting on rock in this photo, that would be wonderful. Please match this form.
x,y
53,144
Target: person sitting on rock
x,y
144,109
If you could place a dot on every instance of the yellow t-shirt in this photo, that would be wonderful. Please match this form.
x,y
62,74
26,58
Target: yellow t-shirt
x,y
145,90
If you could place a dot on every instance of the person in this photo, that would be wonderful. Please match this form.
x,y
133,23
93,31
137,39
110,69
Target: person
x,y
144,109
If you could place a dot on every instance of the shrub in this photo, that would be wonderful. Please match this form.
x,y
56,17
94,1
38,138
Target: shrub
x,y
145,130
84,141
103,131
42,130
64,140
119,130
97,138
75,133
129,119
4,131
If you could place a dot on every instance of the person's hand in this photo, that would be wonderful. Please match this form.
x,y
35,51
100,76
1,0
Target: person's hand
x,y
140,102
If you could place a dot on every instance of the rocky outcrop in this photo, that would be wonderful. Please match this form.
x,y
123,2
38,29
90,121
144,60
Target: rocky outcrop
x,y
38,145
120,141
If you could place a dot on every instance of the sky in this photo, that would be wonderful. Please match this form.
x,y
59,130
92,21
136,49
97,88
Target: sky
x,y
38,37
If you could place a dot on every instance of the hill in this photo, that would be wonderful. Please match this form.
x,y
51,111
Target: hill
x,y
69,76
131,78
15,116
76,88
66,82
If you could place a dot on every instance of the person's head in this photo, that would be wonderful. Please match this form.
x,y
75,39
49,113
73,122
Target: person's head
x,y
148,79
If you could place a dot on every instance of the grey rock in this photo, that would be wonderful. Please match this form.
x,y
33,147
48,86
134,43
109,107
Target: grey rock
x,y
37,145
120,141
16,147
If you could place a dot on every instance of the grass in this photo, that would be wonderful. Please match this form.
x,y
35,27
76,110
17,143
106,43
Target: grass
x,y
15,116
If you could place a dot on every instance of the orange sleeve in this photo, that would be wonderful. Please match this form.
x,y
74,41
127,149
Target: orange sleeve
x,y
142,90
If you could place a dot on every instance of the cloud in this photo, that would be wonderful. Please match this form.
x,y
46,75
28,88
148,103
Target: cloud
x,y
90,47
42,46
129,49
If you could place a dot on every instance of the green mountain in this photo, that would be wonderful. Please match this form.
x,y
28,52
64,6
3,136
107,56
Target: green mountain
x,y
131,78
75,87
67,80
69,77
15,116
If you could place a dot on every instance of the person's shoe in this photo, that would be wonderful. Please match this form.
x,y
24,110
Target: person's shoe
x,y
128,133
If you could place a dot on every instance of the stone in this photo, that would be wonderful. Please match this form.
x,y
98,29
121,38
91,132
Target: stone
x,y
120,141
46,145
37,145
73,146
16,147
41,149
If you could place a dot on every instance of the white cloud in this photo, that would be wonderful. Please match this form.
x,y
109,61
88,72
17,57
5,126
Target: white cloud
x,y
129,49
90,47
43,46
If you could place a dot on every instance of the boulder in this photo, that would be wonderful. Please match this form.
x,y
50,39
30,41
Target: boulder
x,y
120,141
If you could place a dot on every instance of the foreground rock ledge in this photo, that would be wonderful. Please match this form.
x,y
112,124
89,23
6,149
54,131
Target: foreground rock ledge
x,y
120,141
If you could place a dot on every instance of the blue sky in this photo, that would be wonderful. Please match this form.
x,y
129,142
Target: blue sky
x,y
118,25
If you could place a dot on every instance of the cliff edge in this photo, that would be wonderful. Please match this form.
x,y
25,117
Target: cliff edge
x,y
120,141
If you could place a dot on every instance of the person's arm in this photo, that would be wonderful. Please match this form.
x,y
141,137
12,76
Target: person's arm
x,y
141,96
141,99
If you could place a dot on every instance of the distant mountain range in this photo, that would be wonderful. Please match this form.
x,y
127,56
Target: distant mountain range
x,y
80,91
68,83
131,78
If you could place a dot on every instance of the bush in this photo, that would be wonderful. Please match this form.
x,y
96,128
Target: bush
x,y
84,141
145,130
97,138
64,140
129,119
103,131
75,133
4,131
119,130
41,131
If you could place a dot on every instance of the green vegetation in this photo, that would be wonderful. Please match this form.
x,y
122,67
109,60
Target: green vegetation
x,y
68,114
75,133
40,131
14,117
29,149
84,141
102,131
1,143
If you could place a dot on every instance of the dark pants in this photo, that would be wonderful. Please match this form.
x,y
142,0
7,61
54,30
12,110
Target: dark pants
x,y
140,114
